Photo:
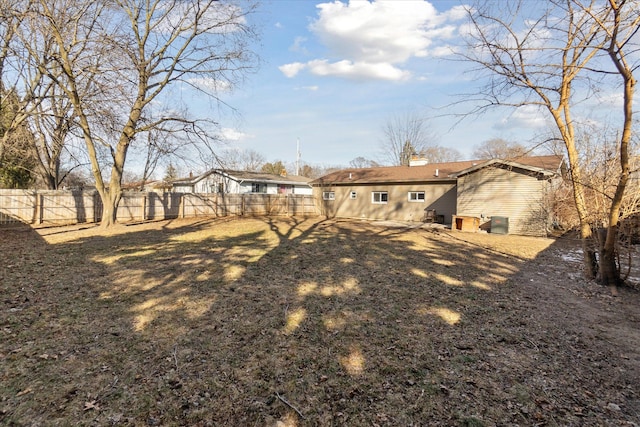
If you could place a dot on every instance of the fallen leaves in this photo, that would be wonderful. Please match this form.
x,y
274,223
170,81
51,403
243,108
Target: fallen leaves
x,y
91,406
397,349
24,392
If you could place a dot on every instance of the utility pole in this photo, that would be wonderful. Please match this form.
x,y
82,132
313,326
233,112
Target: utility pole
x,y
298,157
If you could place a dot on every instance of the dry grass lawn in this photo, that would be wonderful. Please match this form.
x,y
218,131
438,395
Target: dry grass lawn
x,y
308,322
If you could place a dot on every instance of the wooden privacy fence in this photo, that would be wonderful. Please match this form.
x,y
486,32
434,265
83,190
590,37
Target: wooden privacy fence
x,y
68,207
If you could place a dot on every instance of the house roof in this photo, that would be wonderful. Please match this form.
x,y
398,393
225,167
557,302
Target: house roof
x,y
435,171
545,165
247,176
265,177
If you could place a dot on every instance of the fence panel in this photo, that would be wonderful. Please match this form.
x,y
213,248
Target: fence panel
x,y
132,207
18,206
260,204
66,206
163,206
301,205
36,207
196,205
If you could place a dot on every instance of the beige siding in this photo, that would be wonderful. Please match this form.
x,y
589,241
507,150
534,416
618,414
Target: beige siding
x,y
514,194
439,196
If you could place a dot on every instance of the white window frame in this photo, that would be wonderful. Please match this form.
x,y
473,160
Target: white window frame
x,y
380,196
414,196
328,195
258,188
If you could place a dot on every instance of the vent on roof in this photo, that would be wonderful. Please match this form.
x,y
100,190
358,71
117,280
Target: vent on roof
x,y
437,172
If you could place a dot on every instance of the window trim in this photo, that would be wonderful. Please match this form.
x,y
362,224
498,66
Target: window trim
x,y
381,195
417,198
328,195
260,186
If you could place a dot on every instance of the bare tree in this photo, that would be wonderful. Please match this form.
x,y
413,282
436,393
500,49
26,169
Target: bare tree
x,y
553,57
241,160
361,162
621,25
498,148
17,161
20,77
160,147
405,135
439,154
120,59
53,124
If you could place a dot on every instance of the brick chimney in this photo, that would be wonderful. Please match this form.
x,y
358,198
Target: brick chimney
x,y
418,161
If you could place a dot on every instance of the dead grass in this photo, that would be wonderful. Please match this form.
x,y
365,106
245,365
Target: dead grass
x,y
296,322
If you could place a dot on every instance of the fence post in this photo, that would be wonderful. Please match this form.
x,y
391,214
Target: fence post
x,y
40,207
97,207
144,206
288,204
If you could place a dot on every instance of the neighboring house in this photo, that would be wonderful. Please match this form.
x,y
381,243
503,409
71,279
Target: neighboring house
x,y
240,182
516,190
148,186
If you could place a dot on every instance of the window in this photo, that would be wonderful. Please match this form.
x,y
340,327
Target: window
x,y
328,195
285,189
353,195
379,197
258,187
416,196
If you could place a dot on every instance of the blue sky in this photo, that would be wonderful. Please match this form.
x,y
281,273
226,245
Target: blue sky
x,y
334,72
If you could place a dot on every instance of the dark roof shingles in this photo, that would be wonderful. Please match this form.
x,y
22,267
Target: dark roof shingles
x,y
429,172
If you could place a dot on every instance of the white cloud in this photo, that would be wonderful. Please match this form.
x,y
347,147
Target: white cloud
x,y
356,70
229,134
373,39
210,85
456,13
442,51
291,70
309,88
528,116
298,45
607,100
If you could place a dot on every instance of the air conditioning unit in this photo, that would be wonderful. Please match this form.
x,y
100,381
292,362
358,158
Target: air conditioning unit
x,y
499,225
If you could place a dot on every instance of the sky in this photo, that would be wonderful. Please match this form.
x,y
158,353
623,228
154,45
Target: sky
x,y
332,73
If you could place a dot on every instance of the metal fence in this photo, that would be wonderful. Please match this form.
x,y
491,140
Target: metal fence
x,y
69,207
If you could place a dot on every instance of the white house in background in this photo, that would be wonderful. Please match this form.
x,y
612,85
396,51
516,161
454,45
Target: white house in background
x,y
241,182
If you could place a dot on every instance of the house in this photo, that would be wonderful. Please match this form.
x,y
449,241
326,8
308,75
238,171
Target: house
x,y
147,186
515,191
242,182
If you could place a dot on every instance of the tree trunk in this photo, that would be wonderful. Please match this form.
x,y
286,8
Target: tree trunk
x,y
110,203
589,259
609,271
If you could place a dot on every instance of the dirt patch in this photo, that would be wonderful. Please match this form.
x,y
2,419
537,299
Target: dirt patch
x,y
296,322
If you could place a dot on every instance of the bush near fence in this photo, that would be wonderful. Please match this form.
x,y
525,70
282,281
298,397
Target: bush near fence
x,y
71,207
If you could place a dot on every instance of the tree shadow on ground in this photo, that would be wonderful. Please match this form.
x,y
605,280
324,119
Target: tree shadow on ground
x,y
292,321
